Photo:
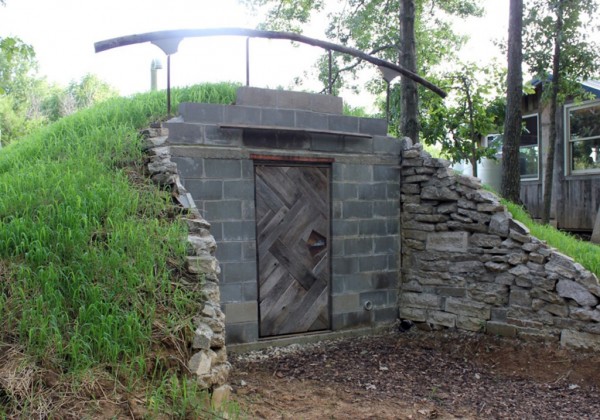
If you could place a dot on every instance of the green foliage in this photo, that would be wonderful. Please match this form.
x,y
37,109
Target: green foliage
x,y
586,253
88,279
579,59
473,110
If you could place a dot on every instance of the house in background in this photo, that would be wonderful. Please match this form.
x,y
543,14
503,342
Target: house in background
x,y
576,181
576,185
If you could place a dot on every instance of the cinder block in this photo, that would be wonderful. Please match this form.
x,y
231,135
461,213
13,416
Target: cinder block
x,y
231,292
393,226
337,247
185,133
343,123
246,332
373,126
386,208
247,169
239,231
357,209
215,136
326,142
345,303
216,230
348,283
237,312
377,298
277,117
237,272
248,210
344,227
245,115
222,168
385,280
372,191
385,315
373,227
251,96
393,190
229,252
344,191
271,98
202,113
205,189
373,263
290,141
344,265
358,173
387,145
258,139
188,167
386,173
358,246
242,189
350,320
358,144
223,210
386,245
308,120
248,251
249,291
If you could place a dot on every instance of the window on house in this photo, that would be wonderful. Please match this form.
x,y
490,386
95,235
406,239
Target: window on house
x,y
529,148
583,135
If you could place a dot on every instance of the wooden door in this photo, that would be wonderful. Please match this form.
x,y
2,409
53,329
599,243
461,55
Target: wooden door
x,y
292,216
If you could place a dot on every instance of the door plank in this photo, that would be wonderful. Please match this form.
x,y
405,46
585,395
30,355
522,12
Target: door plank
x,y
292,207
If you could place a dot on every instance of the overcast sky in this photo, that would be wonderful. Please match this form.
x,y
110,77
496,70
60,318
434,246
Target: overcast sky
x,y
63,33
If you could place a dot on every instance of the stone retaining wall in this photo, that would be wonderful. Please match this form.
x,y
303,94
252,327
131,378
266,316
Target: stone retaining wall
x,y
466,263
209,360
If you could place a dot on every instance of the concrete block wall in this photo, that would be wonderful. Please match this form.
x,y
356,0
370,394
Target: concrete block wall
x,y
365,246
215,162
226,188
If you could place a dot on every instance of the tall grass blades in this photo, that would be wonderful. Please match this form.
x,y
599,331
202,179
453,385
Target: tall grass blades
x,y
586,253
84,255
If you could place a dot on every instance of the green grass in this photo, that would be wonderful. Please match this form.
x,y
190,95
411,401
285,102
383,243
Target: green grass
x,y
585,253
84,254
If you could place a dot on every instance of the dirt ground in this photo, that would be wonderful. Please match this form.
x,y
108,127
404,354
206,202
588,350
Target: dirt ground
x,y
418,375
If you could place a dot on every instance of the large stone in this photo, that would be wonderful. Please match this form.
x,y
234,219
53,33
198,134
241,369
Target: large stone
x,y
420,300
570,289
499,224
485,241
447,241
202,337
585,314
442,318
220,396
561,265
520,297
580,340
203,264
439,194
501,329
492,293
200,363
468,308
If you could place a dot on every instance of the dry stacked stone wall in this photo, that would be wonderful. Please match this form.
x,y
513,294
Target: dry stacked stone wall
x,y
466,263
209,360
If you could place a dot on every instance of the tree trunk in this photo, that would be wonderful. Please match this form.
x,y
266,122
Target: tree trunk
x,y
553,138
409,118
511,177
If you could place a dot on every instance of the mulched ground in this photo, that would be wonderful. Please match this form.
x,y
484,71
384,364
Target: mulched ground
x,y
414,374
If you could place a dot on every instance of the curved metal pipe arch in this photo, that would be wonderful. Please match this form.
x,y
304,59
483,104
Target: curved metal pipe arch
x,y
169,40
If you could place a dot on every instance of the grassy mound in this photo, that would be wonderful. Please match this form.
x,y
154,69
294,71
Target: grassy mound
x,y
89,308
